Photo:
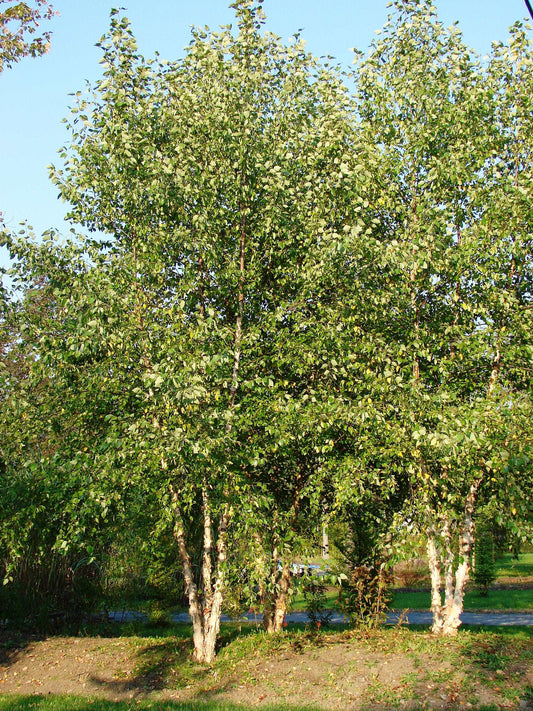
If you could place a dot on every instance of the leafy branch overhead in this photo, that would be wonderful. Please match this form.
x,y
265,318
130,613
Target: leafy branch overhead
x,y
19,30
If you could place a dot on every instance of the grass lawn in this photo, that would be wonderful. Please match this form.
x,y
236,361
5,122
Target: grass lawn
x,y
519,571
73,703
332,594
509,567
495,600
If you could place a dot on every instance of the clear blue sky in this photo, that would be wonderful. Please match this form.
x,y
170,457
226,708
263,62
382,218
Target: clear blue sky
x,y
34,94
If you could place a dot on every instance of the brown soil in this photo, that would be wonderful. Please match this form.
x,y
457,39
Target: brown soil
x,y
343,672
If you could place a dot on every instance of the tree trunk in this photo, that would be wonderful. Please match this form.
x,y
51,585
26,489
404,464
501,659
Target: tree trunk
x,y
282,596
205,603
325,542
449,559
434,569
447,617
268,596
275,602
462,574
268,614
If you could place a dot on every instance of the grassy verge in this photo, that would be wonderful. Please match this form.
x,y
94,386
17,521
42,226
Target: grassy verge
x,y
508,569
332,594
71,703
497,599
518,570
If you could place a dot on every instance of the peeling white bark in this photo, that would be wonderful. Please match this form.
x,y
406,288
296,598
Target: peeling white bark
x,y
282,597
275,600
448,566
434,569
462,574
205,603
447,617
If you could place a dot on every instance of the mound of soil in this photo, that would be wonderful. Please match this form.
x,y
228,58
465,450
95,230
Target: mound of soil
x,y
347,673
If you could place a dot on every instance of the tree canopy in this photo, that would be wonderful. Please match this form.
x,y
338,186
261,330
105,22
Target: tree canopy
x,y
298,301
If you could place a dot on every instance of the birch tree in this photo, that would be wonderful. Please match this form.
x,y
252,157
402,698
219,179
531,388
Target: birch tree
x,y
210,175
439,302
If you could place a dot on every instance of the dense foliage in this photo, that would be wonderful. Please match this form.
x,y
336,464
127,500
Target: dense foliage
x,y
300,305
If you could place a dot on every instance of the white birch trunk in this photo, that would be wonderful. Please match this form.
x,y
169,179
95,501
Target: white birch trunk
x,y
462,574
191,588
275,600
213,604
447,617
435,572
325,542
205,605
268,596
207,572
448,567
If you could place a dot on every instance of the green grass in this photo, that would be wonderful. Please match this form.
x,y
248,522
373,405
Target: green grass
x,y
506,567
495,600
332,594
164,652
73,703
509,567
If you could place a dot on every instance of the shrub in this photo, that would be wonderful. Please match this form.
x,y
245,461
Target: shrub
x,y
45,594
314,592
412,573
364,596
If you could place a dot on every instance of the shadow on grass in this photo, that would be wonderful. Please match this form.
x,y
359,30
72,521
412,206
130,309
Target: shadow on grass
x,y
164,661
157,669
519,567
232,631
167,663
14,643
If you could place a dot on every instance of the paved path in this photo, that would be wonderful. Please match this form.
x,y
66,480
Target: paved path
x,y
470,618
416,618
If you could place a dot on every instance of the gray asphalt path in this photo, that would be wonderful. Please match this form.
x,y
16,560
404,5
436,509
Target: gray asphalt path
x,y
492,619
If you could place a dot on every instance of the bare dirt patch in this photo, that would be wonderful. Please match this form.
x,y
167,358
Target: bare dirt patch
x,y
67,665
336,671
